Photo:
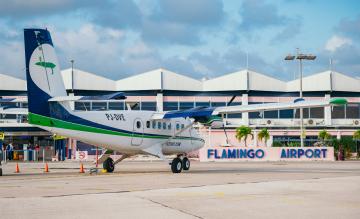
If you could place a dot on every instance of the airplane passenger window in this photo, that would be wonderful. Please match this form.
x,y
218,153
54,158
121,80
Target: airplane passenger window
x,y
159,125
177,126
138,124
164,125
148,124
154,125
169,126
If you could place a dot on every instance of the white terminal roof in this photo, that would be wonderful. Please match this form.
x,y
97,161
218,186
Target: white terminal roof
x,y
10,83
162,79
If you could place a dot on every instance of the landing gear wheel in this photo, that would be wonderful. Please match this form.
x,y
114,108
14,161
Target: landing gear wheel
x,y
176,165
186,163
109,165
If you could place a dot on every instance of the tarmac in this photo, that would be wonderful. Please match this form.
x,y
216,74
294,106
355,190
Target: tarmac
x,y
148,189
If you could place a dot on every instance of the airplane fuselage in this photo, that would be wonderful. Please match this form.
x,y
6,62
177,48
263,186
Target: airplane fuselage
x,y
127,131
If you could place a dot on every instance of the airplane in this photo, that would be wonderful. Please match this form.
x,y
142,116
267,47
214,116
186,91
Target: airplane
x,y
129,132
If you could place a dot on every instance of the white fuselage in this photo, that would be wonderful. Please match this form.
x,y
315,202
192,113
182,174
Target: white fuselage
x,y
133,131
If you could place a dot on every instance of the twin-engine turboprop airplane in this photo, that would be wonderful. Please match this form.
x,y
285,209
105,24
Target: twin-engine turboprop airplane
x,y
128,131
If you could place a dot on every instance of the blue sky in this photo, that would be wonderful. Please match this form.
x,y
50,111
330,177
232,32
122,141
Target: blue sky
x,y
202,38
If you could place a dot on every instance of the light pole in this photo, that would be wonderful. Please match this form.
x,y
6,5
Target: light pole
x,y
300,57
72,75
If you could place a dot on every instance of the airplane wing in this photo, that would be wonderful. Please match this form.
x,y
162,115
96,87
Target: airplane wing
x,y
14,111
199,113
14,100
116,96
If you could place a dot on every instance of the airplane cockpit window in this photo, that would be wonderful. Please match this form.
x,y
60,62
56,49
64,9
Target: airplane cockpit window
x,y
177,126
182,126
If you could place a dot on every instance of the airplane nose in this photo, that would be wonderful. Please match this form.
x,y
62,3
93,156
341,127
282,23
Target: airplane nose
x,y
199,143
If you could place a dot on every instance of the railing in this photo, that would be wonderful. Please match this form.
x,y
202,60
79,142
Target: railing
x,y
27,155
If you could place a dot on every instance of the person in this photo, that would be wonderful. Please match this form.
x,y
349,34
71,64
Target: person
x,y
37,150
10,150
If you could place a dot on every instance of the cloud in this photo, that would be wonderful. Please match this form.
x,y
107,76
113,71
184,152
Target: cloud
x,y
19,9
350,27
291,29
12,61
97,49
336,42
215,64
257,14
182,22
344,47
346,60
199,12
118,14
164,32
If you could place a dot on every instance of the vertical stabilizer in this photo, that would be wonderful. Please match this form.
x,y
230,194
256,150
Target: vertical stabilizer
x,y
44,79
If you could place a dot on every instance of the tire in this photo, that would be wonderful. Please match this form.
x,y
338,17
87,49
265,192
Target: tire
x,y
109,165
176,165
186,163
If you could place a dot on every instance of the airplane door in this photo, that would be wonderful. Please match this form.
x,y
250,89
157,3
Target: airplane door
x,y
176,127
138,132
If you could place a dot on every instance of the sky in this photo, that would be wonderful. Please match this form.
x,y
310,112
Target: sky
x,y
197,38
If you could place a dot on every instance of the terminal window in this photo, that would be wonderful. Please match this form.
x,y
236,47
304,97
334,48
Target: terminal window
x,y
217,104
148,106
353,111
234,115
317,113
338,112
169,106
97,106
305,113
116,105
186,105
82,106
287,114
206,104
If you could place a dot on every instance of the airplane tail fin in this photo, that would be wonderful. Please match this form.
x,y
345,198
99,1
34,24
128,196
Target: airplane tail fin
x,y
44,79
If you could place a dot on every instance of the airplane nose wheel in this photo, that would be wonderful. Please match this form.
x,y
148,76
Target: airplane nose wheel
x,y
109,165
176,165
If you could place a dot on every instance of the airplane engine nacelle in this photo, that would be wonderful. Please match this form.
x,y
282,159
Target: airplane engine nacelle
x,y
211,121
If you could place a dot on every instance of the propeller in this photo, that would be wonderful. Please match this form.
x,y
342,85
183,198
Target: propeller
x,y
231,100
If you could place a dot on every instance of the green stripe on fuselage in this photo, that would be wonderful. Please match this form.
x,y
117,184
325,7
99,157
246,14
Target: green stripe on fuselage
x,y
39,120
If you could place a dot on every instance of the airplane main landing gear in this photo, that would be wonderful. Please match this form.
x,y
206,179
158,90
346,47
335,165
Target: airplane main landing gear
x,y
176,165
109,165
179,164
186,163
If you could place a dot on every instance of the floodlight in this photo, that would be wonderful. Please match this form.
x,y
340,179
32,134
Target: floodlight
x,y
289,57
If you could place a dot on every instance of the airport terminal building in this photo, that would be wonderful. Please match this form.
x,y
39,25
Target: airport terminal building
x,y
164,90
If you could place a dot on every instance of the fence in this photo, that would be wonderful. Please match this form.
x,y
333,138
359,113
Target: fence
x,y
41,155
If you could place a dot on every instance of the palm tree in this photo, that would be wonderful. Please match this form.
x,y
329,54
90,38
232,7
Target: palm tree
x,y
244,132
356,135
264,135
324,136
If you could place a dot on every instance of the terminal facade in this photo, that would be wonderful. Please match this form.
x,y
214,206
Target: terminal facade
x,y
164,90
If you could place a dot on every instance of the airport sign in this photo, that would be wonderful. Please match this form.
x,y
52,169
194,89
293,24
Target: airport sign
x,y
266,154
